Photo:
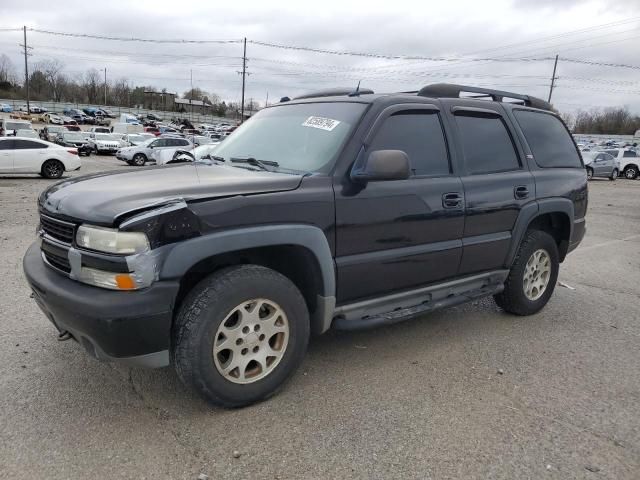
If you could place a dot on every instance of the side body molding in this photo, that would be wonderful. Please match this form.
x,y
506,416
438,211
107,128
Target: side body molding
x,y
532,210
186,254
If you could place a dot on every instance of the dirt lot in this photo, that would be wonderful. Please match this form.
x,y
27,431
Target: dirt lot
x,y
422,399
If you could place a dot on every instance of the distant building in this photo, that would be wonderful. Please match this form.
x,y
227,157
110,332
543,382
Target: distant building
x,y
186,105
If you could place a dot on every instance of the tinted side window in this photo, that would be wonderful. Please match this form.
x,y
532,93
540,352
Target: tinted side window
x,y
549,140
487,145
24,144
418,134
181,143
6,144
161,142
629,153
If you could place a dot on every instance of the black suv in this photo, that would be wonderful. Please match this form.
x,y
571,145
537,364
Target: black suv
x,y
335,209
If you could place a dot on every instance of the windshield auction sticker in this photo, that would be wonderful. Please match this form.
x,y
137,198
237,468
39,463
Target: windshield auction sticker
x,y
322,123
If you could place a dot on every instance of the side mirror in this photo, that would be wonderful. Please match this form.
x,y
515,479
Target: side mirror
x,y
382,165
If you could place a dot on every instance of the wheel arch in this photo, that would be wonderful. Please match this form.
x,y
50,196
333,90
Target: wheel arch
x,y
299,252
553,215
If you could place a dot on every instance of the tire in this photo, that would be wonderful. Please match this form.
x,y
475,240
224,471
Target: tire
x,y
514,299
139,159
589,173
631,172
52,169
614,175
207,319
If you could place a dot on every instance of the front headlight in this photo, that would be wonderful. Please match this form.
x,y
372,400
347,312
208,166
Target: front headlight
x,y
111,240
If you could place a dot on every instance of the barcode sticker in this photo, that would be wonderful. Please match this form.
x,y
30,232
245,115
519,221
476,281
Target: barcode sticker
x,y
322,123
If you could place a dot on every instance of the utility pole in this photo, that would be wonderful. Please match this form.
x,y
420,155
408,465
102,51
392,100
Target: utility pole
x,y
266,102
553,78
105,86
244,74
191,98
26,68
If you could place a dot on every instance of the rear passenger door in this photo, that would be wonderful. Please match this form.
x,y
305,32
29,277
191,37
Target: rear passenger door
x,y
497,184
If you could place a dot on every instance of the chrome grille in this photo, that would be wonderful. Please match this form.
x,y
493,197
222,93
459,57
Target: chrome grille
x,y
62,231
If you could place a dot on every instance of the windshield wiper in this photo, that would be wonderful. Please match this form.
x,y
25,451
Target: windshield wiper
x,y
254,161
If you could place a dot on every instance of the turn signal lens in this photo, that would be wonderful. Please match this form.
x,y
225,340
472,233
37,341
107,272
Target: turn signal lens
x,y
125,282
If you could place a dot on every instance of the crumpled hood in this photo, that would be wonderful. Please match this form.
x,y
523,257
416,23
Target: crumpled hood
x,y
103,197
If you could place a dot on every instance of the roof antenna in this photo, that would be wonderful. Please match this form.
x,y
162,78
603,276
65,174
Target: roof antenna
x,y
356,93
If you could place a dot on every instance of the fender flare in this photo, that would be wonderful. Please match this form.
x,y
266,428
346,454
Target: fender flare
x,y
186,254
529,212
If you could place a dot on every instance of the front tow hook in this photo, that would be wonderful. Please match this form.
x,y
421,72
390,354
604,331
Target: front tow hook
x,y
64,336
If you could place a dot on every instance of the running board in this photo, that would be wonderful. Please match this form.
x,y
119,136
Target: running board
x,y
405,305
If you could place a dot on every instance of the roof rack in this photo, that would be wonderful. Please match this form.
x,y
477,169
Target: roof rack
x,y
335,92
450,90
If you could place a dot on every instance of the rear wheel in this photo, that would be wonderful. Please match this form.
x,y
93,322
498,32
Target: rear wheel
x,y
52,169
589,173
631,172
533,275
614,174
139,159
240,334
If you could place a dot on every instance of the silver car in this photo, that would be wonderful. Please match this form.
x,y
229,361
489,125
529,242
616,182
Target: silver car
x,y
600,164
149,150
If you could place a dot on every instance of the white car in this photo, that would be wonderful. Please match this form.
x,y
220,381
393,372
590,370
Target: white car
x,y
104,143
628,161
30,155
27,133
172,155
8,127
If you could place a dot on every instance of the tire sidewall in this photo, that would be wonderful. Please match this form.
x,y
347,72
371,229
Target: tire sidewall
x,y
589,173
546,242
631,173
51,177
139,160
216,308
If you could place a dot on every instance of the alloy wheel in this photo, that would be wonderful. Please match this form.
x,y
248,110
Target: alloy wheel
x,y
536,274
251,341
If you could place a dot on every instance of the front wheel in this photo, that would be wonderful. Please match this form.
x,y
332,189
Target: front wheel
x,y
139,159
533,275
589,173
240,334
614,174
52,169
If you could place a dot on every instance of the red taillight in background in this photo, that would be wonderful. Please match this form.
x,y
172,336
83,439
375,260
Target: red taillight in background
x,y
73,151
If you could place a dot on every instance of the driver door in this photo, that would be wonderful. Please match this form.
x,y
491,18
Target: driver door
x,y
400,234
6,155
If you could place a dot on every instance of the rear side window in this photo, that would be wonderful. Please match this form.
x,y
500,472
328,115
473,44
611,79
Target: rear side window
x,y
548,138
27,144
418,134
629,153
487,145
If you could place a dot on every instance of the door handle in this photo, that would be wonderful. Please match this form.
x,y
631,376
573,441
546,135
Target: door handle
x,y
521,191
452,200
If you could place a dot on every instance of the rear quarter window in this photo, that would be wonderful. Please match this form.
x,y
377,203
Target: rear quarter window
x,y
549,139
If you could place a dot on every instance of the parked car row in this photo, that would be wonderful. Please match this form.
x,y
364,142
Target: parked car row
x,y
605,160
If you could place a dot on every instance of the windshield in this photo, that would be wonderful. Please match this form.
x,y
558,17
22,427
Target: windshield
x,y
72,137
303,137
26,133
136,138
16,125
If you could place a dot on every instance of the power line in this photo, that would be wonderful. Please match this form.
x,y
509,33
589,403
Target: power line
x,y
131,39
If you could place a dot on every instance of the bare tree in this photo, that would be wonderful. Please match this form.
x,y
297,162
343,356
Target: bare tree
x,y
90,84
52,70
7,70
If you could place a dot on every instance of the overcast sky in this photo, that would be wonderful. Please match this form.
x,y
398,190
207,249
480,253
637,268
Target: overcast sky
x,y
468,36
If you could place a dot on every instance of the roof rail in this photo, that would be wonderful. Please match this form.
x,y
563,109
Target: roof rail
x,y
334,92
450,90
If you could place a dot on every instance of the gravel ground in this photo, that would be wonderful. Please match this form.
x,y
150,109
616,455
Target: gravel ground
x,y
469,392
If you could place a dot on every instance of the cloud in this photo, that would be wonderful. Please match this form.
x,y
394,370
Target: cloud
x,y
466,29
